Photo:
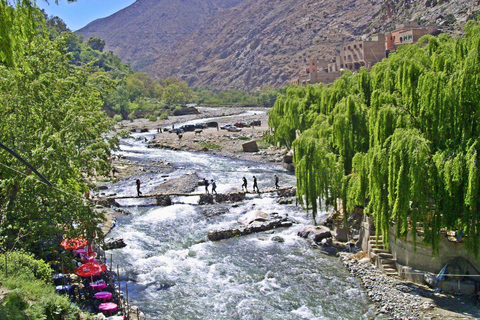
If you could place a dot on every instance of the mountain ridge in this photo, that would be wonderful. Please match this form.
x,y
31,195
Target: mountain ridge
x,y
249,43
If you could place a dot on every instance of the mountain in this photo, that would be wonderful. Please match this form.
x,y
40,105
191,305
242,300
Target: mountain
x,y
139,33
249,43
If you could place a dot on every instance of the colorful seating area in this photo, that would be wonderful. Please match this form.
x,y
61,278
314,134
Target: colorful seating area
x,y
90,285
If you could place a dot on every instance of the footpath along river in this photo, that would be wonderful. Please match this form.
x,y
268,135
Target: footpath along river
x,y
174,273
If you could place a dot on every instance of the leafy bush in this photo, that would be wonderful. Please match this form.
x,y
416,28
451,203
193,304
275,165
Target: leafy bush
x,y
117,118
152,118
21,263
177,111
163,116
28,298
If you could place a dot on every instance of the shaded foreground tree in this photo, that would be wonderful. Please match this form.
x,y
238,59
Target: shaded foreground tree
x,y
405,137
50,113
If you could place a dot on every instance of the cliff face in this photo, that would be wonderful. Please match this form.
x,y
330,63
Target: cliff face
x,y
248,43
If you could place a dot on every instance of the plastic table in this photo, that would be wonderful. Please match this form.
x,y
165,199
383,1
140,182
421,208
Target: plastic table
x,y
86,259
108,308
103,295
97,286
81,251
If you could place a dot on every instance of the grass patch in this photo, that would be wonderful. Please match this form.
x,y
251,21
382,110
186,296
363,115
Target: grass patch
x,y
209,145
29,298
262,144
243,138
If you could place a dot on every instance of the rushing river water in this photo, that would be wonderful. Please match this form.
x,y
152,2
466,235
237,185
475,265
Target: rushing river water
x,y
174,273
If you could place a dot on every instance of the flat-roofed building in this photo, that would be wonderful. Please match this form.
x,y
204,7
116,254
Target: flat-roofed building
x,y
363,53
407,33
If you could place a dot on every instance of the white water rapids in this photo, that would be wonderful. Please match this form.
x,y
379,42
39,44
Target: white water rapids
x,y
174,273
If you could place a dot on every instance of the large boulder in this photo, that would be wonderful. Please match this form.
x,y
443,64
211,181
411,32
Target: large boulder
x,y
254,216
250,146
315,233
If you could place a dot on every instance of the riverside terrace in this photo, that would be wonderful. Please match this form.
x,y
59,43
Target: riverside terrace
x,y
93,285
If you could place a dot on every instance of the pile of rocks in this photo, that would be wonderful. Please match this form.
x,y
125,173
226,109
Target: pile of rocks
x,y
393,298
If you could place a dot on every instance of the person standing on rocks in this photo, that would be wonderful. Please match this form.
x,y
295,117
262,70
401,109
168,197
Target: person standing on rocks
x,y
138,187
205,181
214,186
244,185
276,182
255,185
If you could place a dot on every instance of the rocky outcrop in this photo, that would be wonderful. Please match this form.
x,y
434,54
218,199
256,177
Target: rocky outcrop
x,y
114,244
252,225
315,233
221,198
254,216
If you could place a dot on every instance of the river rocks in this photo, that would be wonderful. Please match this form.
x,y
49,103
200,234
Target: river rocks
x,y
398,299
287,192
114,244
250,146
284,201
221,198
254,216
278,239
315,233
184,184
163,201
274,221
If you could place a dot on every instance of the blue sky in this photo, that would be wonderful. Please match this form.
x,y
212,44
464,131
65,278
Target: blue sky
x,y
78,14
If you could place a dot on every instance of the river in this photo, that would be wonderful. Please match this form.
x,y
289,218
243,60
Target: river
x,y
174,273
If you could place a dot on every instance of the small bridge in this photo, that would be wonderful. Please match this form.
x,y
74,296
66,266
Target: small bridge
x,y
164,198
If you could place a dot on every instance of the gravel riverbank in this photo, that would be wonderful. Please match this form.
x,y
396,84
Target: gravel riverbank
x,y
396,299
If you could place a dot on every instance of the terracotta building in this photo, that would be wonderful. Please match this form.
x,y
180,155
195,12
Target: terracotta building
x,y
317,71
407,33
362,53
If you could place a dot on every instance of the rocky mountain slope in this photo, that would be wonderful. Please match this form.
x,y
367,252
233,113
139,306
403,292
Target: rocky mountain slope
x,y
139,33
248,43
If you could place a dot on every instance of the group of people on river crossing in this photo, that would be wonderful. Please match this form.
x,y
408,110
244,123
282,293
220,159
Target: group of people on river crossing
x,y
255,184
214,185
207,184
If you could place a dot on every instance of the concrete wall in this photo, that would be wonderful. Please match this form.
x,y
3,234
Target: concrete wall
x,y
422,258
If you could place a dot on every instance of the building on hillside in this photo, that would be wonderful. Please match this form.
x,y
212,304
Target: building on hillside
x,y
362,53
318,71
406,33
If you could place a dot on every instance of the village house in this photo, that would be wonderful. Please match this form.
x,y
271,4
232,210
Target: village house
x,y
406,33
362,53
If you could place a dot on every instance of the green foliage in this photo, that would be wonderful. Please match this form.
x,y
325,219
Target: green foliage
x,y
209,145
28,298
20,263
401,139
96,43
117,118
51,114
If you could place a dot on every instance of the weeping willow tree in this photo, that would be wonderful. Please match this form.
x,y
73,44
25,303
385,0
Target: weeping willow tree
x,y
401,139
